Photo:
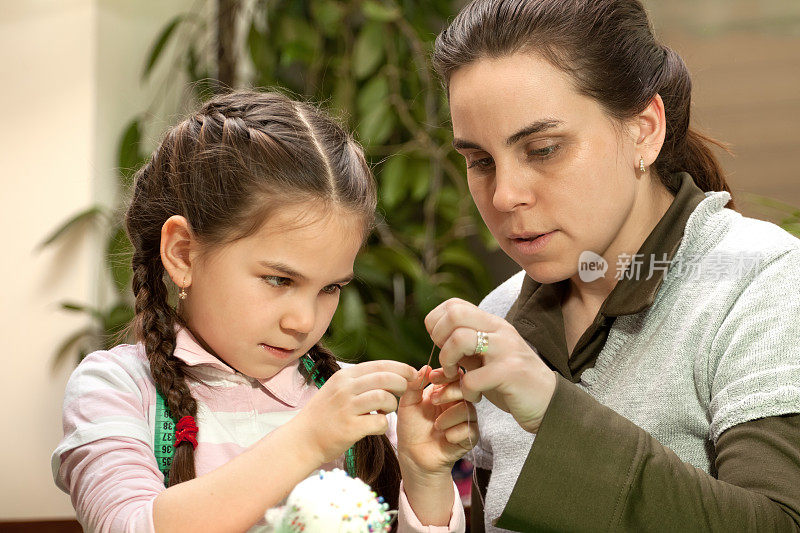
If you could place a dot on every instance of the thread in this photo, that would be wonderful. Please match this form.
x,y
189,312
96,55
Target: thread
x,y
469,434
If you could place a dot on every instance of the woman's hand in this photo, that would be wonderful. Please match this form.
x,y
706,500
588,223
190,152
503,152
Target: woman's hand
x,y
509,373
341,412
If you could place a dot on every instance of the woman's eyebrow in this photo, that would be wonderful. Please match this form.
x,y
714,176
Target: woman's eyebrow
x,y
536,127
461,144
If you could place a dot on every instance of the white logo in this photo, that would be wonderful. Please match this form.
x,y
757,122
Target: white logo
x,y
591,266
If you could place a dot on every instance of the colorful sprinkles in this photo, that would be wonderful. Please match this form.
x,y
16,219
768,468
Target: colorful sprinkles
x,y
334,502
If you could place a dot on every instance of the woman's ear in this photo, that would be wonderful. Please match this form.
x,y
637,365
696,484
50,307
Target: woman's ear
x,y
177,246
651,128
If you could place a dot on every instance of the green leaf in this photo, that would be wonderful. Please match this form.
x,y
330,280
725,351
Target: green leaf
x,y
160,42
260,53
328,15
373,94
457,254
425,295
369,272
128,155
81,308
380,12
368,50
118,259
117,319
419,174
89,215
353,311
393,260
393,181
71,343
298,41
377,126
343,91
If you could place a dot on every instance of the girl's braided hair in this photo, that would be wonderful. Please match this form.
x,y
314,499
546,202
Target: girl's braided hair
x,y
226,168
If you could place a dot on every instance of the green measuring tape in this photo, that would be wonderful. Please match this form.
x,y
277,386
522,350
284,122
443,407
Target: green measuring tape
x,y
163,443
164,438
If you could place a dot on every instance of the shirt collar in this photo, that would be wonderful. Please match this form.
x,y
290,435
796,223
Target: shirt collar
x,y
631,294
288,385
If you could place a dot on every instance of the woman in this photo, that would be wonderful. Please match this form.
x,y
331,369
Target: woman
x,y
619,394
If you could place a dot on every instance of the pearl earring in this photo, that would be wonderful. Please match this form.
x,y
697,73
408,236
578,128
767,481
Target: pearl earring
x,y
641,165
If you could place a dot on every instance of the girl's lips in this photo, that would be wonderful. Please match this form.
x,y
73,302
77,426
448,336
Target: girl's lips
x,y
281,352
529,246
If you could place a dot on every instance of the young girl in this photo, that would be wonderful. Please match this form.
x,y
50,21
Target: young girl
x,y
254,208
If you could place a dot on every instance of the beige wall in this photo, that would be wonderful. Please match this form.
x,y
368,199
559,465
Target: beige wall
x,y
68,82
744,57
48,92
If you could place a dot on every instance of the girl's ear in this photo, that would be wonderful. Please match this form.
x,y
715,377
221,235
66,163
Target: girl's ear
x,y
177,247
651,129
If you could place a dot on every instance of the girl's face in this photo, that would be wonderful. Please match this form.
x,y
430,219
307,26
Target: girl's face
x,y
542,159
259,303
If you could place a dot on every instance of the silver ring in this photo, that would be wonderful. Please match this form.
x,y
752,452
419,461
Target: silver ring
x,y
482,343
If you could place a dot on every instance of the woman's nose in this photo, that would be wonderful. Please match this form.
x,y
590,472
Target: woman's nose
x,y
512,190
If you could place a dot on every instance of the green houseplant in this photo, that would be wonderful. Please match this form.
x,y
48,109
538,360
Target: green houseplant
x,y
368,63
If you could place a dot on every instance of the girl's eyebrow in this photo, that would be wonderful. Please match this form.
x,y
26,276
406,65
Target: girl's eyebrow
x,y
283,269
289,272
536,127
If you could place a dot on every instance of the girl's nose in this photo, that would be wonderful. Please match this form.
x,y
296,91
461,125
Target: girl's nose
x,y
512,190
300,317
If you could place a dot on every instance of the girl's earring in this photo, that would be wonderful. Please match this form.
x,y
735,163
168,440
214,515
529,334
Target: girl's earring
x,y
641,165
182,293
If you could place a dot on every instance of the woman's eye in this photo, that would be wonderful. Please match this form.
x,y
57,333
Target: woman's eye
x,y
543,153
332,289
276,281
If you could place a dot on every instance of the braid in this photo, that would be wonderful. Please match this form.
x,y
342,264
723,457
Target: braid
x,y
155,321
155,328
376,459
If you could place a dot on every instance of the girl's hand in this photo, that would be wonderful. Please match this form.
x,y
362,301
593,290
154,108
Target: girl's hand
x,y
432,437
510,373
341,412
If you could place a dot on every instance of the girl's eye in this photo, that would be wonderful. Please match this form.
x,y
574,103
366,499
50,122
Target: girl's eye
x,y
332,289
276,281
543,153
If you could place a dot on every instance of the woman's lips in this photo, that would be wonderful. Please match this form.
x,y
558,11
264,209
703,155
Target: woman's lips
x,y
531,244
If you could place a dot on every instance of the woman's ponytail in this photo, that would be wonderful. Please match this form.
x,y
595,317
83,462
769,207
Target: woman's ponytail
x,y
685,149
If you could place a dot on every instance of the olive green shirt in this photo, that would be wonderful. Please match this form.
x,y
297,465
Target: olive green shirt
x,y
581,444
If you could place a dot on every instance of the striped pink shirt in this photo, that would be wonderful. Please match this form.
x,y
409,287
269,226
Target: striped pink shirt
x,y
106,461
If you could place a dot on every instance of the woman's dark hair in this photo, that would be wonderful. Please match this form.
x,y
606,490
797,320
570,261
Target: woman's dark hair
x,y
226,169
609,50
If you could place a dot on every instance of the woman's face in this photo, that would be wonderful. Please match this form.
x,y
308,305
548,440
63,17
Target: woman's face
x,y
543,159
